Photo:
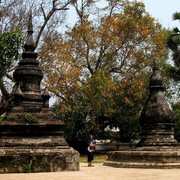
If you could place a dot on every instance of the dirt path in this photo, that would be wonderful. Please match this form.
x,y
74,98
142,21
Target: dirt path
x,y
100,172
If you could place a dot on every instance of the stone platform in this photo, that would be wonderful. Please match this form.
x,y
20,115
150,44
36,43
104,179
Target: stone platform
x,y
23,160
35,146
144,159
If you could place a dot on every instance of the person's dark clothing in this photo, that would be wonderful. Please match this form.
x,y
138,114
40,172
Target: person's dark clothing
x,y
91,150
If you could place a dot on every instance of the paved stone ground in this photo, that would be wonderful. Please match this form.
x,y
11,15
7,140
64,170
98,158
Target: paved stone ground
x,y
100,172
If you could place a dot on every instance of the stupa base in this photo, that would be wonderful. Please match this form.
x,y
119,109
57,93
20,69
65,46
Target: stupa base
x,y
144,159
54,159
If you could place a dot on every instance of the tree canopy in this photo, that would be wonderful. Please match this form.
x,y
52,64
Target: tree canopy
x,y
99,69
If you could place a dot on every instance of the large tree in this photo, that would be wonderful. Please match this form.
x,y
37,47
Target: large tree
x,y
98,69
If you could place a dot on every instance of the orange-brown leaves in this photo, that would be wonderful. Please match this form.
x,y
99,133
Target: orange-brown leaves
x,y
62,73
120,42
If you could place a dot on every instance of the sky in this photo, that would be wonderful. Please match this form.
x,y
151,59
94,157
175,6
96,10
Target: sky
x,y
162,10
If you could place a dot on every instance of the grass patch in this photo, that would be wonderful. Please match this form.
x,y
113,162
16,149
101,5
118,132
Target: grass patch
x,y
98,158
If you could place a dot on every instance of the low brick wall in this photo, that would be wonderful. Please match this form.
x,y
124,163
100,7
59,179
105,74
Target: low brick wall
x,y
111,146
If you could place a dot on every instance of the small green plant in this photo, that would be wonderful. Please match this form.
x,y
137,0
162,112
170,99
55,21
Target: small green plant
x,y
24,118
26,168
30,118
2,118
13,118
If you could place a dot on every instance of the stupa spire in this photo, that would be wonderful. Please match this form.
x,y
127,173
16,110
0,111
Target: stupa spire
x,y
156,79
29,75
30,45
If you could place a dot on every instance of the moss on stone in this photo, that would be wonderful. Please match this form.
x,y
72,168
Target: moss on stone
x,y
30,118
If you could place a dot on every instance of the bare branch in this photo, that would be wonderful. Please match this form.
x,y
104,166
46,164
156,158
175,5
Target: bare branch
x,y
48,16
10,77
44,14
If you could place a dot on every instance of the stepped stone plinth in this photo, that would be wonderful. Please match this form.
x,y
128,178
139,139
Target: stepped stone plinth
x,y
157,148
31,136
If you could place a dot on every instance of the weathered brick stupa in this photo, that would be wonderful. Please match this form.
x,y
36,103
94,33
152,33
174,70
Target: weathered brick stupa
x,y
31,137
157,147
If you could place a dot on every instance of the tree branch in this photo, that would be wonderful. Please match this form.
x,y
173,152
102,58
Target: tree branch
x,y
10,77
48,16
44,14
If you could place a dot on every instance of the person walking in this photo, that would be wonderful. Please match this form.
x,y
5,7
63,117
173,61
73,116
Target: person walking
x,y
91,149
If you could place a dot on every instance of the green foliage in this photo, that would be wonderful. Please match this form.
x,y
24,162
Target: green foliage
x,y
77,125
176,16
10,45
129,127
111,135
99,92
98,104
